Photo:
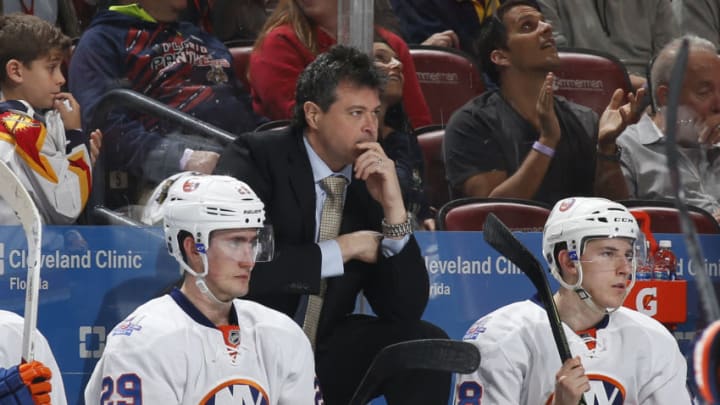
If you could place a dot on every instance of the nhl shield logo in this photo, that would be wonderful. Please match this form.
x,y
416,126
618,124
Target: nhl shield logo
x,y
231,335
234,337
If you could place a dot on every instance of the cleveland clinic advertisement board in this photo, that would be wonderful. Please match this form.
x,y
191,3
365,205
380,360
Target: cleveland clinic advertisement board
x,y
94,276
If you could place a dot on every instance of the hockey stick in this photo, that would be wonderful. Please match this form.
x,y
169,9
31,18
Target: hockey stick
x,y
424,354
17,197
497,235
703,282
705,355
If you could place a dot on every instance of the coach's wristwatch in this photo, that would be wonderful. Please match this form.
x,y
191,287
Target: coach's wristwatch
x,y
397,230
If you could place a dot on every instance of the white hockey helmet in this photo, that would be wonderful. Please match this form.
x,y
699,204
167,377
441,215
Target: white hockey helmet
x,y
153,212
200,204
577,220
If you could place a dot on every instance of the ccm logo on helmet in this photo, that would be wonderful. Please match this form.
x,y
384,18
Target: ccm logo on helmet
x,y
624,220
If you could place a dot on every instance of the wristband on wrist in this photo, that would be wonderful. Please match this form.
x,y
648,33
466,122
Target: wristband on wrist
x,y
544,149
614,157
185,158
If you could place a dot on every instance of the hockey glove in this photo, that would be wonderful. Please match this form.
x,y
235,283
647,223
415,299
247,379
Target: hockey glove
x,y
26,384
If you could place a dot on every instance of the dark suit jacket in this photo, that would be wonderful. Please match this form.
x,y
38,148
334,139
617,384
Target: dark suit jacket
x,y
275,164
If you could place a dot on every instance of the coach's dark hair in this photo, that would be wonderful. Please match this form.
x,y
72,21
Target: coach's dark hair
x,y
493,35
319,80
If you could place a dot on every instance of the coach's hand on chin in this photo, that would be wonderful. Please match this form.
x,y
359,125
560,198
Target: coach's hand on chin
x,y
378,171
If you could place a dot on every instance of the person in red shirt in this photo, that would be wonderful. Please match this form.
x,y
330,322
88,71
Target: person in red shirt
x,y
294,34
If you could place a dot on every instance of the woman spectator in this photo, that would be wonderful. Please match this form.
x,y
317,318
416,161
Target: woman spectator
x,y
294,34
397,139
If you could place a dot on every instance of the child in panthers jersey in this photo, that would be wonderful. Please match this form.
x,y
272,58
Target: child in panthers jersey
x,y
40,135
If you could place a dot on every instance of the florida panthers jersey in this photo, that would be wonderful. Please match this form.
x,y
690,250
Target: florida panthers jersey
x,y
11,334
167,352
629,358
52,163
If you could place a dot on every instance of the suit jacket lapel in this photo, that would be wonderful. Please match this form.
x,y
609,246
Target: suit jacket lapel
x,y
302,184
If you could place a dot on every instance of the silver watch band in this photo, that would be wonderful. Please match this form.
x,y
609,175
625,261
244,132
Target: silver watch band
x,y
397,230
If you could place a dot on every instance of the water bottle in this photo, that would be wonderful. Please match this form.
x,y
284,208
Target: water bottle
x,y
665,262
645,268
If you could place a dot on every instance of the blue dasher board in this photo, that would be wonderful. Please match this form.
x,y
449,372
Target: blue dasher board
x,y
93,276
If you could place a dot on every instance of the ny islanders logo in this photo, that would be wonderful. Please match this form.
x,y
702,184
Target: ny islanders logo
x,y
237,391
604,390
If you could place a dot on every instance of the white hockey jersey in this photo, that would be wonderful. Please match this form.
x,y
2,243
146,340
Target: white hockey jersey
x,y
52,163
167,352
631,359
11,334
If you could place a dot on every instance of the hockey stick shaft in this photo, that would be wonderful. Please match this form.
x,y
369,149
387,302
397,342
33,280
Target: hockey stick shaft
x,y
703,282
501,239
17,197
497,235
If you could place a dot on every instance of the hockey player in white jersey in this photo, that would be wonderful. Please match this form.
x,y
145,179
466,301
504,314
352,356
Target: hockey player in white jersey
x,y
592,246
37,382
199,344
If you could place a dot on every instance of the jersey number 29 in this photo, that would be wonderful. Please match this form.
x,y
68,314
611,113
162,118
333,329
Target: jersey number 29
x,y
128,387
